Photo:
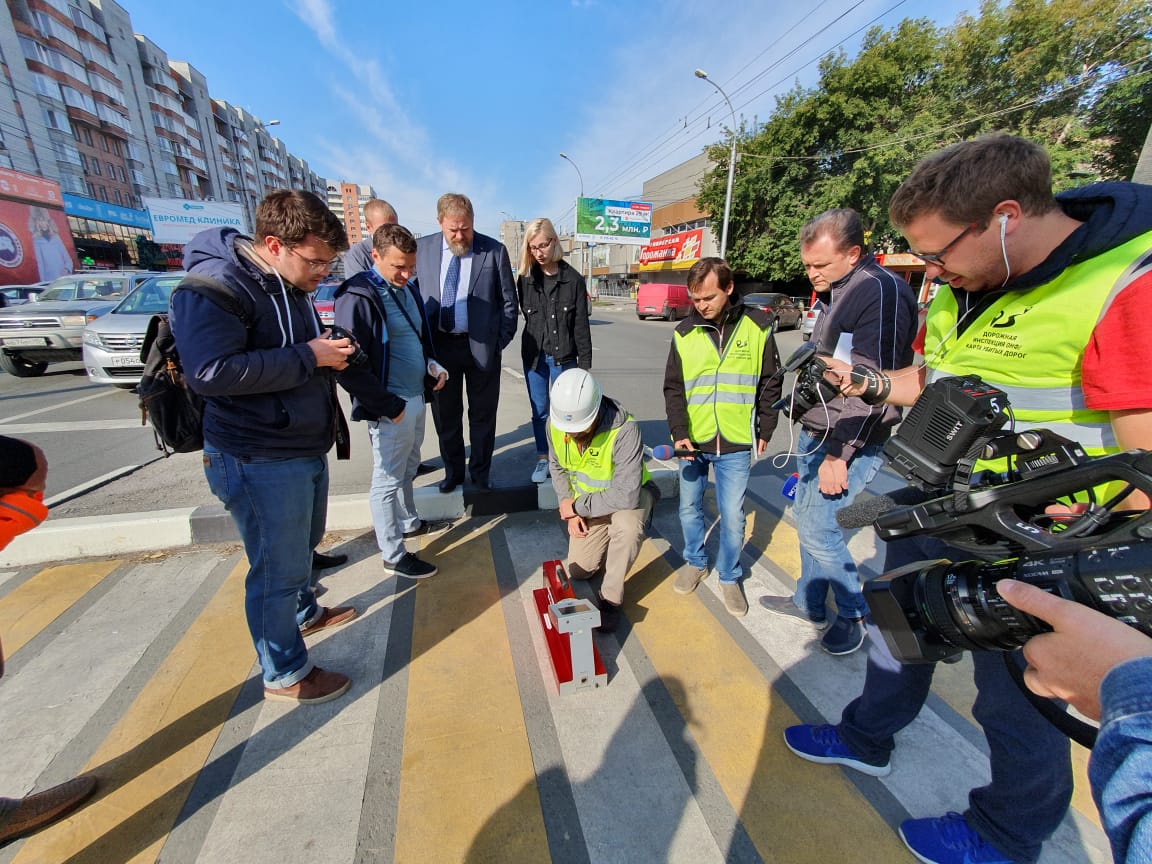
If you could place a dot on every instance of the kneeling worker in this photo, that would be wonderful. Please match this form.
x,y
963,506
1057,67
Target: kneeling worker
x,y
596,459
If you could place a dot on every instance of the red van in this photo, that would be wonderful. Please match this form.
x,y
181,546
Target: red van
x,y
661,300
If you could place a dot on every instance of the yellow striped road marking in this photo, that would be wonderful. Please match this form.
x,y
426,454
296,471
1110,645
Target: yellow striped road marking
x,y
777,542
738,723
150,760
468,786
31,607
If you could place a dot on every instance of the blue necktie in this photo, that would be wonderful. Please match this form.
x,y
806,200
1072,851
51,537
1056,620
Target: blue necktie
x,y
448,296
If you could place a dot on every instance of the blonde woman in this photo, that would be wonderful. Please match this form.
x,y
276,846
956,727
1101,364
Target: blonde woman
x,y
556,334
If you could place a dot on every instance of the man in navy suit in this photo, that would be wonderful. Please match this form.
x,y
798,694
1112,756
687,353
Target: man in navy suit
x,y
466,281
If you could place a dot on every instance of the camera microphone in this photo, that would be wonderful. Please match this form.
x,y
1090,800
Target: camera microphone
x,y
667,451
864,512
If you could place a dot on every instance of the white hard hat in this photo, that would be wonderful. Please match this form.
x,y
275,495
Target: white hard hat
x,y
574,401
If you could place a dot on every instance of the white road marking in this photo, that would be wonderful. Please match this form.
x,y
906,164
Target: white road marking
x,y
88,485
68,426
59,405
514,373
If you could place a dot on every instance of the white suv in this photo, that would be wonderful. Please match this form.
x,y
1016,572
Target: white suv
x,y
112,342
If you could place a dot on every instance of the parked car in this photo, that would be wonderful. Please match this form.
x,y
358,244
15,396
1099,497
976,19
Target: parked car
x,y
779,307
50,330
662,300
322,299
809,322
15,295
112,342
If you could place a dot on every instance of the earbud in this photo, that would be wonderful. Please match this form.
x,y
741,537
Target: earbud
x,y
1003,218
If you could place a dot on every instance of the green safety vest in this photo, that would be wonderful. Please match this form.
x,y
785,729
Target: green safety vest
x,y
721,388
1031,343
590,471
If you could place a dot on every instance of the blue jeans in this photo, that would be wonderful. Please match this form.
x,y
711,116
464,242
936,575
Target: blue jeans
x,y
395,458
1031,760
824,557
539,380
731,476
272,501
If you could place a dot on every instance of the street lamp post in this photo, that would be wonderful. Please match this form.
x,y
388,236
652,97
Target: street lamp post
x,y
702,75
587,251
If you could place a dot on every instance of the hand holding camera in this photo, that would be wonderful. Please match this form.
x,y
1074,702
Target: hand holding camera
x,y
336,348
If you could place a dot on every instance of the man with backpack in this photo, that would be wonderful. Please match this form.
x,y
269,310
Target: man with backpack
x,y
263,366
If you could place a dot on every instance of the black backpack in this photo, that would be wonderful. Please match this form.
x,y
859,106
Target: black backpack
x,y
176,412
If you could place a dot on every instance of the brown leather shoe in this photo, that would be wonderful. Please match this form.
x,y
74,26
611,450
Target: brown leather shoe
x,y
331,616
44,808
315,687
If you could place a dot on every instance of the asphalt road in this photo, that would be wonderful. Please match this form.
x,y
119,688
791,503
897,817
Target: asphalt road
x,y
103,461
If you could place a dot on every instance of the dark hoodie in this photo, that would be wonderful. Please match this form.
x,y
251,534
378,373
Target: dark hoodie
x,y
1111,213
265,396
767,391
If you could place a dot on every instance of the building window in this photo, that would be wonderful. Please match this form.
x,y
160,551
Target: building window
x,y
116,196
84,162
104,143
96,167
101,193
87,137
111,170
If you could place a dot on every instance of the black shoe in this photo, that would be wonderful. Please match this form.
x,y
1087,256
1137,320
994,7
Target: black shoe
x,y
410,567
427,528
484,485
445,486
320,561
609,615
424,468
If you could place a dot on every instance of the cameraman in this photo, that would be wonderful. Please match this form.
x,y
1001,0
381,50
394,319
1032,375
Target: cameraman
x,y
1044,299
1103,667
872,320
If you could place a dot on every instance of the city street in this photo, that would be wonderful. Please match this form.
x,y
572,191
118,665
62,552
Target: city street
x,y
102,461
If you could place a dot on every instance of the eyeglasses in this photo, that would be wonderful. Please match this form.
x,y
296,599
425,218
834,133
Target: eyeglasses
x,y
937,258
320,265
541,247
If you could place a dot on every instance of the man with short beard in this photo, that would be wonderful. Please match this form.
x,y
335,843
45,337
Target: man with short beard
x,y
469,294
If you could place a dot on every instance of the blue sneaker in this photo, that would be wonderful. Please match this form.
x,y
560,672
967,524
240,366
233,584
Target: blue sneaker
x,y
948,840
822,744
843,637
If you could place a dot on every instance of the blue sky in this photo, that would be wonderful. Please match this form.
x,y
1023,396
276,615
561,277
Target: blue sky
x,y
418,99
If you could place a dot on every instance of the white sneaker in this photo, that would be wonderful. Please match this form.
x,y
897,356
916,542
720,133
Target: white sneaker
x,y
540,472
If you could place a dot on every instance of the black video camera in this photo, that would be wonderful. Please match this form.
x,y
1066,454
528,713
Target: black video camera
x,y
933,610
357,357
811,387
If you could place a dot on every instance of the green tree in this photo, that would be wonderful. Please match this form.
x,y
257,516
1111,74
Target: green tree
x,y
1071,74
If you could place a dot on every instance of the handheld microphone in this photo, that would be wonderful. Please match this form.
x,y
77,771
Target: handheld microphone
x,y
667,451
865,511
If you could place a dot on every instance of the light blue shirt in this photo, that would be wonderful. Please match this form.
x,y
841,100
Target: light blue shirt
x,y
461,305
406,364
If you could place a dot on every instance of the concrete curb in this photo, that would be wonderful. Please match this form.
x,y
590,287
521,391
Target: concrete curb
x,y
127,533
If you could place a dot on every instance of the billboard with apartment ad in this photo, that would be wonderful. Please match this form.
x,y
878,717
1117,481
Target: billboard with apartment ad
x,y
175,220
35,243
599,220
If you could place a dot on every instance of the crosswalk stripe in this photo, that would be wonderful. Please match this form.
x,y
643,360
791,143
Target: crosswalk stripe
x,y
29,608
736,720
150,760
468,787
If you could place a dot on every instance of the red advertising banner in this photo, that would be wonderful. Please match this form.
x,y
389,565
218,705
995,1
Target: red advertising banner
x,y
35,241
673,251
28,187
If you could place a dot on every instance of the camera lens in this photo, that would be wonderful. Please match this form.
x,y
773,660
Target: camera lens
x,y
960,602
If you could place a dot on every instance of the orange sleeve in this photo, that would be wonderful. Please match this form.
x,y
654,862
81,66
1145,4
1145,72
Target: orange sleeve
x,y
20,512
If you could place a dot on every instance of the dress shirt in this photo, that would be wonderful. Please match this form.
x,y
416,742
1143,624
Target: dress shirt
x,y
461,305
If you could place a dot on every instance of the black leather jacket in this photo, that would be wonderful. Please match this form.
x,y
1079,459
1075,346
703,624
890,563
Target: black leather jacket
x,y
564,312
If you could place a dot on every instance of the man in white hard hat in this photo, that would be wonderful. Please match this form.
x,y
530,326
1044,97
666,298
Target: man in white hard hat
x,y
596,460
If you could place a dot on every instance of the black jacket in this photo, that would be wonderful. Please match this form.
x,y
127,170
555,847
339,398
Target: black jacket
x,y
264,394
564,311
873,312
767,391
360,311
